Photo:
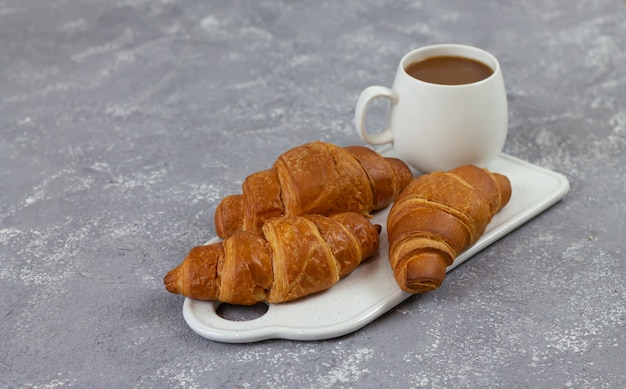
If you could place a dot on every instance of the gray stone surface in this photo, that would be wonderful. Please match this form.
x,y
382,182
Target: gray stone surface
x,y
122,124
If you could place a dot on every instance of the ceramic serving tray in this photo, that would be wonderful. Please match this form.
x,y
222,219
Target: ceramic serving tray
x,y
370,290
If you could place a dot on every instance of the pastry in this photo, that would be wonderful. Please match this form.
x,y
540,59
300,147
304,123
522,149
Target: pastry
x,y
292,257
436,217
314,178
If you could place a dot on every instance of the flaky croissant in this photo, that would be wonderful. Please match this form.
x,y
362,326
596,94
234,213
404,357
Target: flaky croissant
x,y
314,178
292,257
436,217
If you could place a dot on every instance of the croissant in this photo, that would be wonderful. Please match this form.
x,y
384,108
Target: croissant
x,y
314,178
292,257
436,217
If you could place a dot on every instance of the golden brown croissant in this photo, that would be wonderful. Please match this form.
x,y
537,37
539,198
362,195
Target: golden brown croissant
x,y
314,178
292,257
438,216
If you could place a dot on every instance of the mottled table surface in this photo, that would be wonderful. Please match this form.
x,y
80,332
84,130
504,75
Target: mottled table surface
x,y
123,123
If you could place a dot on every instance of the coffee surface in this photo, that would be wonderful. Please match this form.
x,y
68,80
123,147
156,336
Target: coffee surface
x,y
449,70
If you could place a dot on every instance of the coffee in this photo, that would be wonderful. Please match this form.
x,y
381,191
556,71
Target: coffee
x,y
449,70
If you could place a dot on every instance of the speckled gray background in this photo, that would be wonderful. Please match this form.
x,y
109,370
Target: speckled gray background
x,y
122,124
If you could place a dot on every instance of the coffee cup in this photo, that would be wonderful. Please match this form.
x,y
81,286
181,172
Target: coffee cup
x,y
448,107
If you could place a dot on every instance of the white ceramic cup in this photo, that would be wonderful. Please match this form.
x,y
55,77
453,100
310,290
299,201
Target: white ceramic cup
x,y
436,127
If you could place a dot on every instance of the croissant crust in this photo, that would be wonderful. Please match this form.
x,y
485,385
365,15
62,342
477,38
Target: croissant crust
x,y
292,257
438,216
314,178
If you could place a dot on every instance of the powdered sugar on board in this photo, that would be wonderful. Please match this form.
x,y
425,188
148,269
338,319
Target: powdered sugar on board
x,y
370,290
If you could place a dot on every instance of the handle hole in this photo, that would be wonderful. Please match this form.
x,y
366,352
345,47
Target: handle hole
x,y
235,312
377,115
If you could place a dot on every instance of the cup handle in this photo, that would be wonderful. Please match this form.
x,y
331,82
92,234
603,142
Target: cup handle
x,y
369,94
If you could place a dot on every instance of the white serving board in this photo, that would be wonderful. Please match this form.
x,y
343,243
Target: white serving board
x,y
370,290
